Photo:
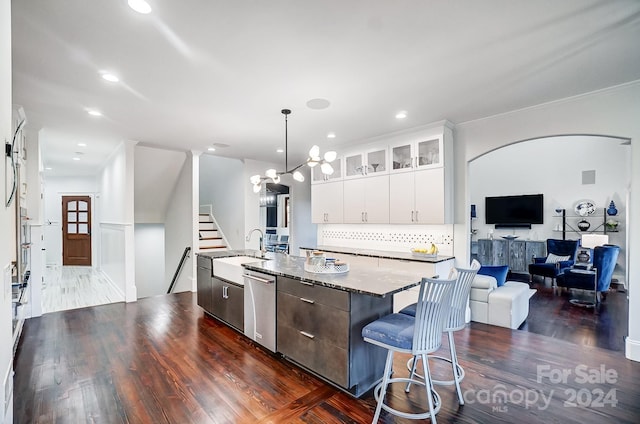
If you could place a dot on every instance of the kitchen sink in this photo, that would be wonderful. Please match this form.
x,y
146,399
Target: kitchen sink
x,y
231,269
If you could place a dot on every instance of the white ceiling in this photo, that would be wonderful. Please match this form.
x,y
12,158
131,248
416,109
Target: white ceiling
x,y
198,72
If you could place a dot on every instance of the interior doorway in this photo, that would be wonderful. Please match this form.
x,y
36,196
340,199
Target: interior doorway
x,y
76,230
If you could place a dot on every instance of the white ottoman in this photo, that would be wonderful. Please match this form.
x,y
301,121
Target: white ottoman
x,y
509,304
505,306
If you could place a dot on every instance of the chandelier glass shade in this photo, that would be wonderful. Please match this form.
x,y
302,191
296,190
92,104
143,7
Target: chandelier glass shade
x,y
314,159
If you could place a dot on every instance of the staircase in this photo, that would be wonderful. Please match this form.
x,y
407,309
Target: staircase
x,y
211,238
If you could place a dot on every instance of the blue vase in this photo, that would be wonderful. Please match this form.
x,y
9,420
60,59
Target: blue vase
x,y
612,211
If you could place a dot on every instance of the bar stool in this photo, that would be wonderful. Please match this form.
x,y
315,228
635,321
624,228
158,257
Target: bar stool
x,y
419,335
455,321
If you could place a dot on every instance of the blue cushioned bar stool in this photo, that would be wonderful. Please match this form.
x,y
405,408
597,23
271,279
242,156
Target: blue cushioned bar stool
x,y
454,322
419,335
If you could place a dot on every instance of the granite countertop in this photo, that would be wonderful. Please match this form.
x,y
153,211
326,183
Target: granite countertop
x,y
360,279
405,256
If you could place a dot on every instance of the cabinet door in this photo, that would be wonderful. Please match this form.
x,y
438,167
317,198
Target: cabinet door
x,y
429,153
517,256
401,198
500,252
354,200
326,202
429,192
217,298
334,202
535,249
485,251
401,157
205,288
354,165
376,161
376,194
234,306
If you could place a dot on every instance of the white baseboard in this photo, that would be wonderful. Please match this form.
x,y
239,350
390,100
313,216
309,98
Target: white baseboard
x,y
632,349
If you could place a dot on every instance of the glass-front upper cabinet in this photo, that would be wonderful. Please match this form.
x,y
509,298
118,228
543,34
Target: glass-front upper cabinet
x,y
426,153
371,162
318,177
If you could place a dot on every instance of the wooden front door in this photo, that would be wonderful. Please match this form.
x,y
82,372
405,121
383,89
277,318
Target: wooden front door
x,y
76,230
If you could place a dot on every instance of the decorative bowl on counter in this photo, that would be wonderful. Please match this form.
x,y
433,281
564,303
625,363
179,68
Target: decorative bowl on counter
x,y
335,267
510,237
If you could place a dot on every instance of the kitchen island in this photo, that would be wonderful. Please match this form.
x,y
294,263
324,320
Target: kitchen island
x,y
319,317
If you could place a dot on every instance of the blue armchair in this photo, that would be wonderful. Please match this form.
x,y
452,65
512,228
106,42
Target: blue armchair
x,y
549,266
598,278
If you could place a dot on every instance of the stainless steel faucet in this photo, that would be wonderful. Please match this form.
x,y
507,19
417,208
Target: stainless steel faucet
x,y
263,250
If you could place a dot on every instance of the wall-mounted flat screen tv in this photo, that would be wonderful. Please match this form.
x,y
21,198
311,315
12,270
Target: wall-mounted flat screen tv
x,y
514,210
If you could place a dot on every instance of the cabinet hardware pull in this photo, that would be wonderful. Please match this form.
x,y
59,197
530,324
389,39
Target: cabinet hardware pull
x,y
412,212
362,216
304,333
417,216
366,217
307,300
262,280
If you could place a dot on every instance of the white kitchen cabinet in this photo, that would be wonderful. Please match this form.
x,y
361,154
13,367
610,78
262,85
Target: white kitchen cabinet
x,y
318,177
368,163
327,203
419,197
366,200
423,154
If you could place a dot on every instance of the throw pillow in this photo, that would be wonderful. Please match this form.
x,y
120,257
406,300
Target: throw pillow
x,y
499,272
554,259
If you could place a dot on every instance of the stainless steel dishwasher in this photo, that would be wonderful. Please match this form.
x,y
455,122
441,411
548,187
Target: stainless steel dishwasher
x,y
260,308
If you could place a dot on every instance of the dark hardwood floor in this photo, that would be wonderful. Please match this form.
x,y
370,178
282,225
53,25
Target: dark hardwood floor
x,y
160,360
551,314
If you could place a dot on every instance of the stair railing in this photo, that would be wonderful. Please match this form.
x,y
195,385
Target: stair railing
x,y
185,255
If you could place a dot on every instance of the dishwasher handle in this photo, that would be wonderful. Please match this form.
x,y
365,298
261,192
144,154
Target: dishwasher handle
x,y
262,280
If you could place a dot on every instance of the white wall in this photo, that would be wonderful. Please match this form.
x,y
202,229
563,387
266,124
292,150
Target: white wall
x,y
553,166
150,274
7,241
179,229
155,172
222,186
302,232
55,188
115,207
611,112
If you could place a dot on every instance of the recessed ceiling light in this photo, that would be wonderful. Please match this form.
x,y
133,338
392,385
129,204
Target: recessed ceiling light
x,y
331,135
48,168
140,6
110,77
94,113
280,150
82,144
401,115
76,158
211,149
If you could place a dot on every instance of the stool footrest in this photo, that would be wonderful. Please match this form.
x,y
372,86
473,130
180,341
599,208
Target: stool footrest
x,y
437,402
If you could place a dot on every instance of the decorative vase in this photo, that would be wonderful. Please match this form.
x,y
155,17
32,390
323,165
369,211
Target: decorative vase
x,y
612,211
583,256
584,225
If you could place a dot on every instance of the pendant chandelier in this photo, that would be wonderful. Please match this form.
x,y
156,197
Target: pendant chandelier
x,y
314,159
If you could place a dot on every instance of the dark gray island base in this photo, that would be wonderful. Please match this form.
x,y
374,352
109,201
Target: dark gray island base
x,y
320,317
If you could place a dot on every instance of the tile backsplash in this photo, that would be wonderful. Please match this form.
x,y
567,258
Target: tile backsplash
x,y
396,238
